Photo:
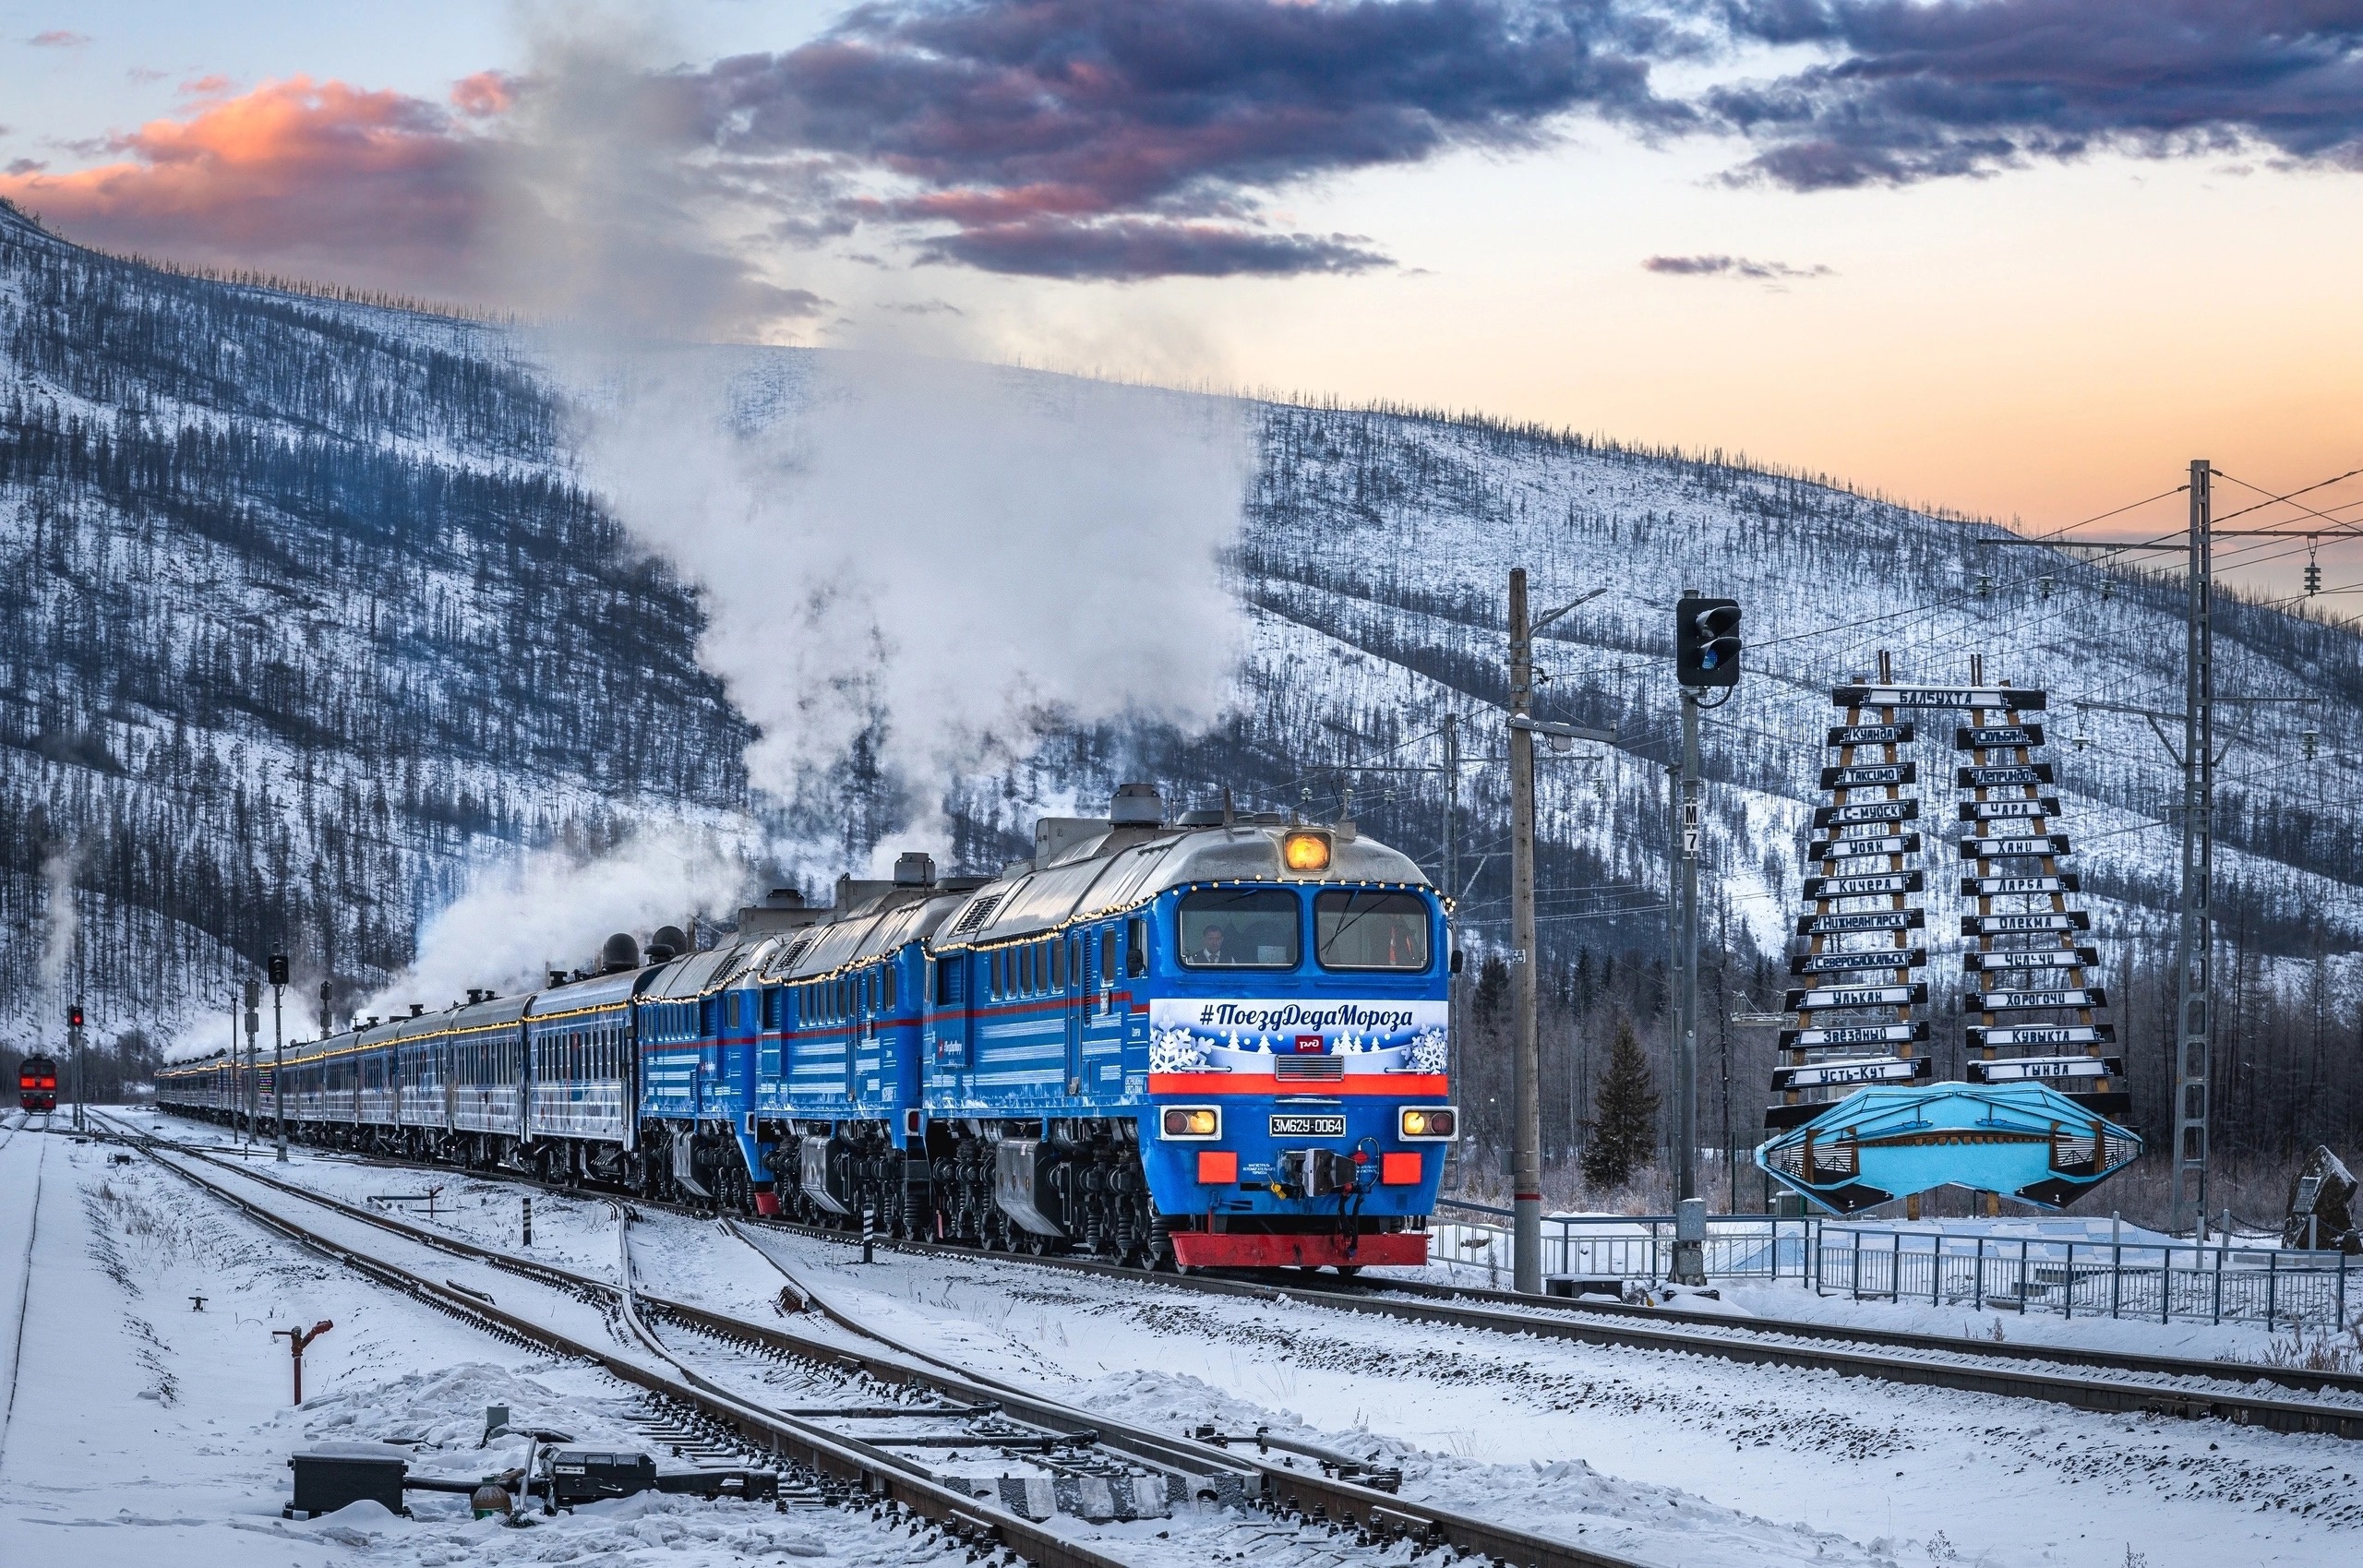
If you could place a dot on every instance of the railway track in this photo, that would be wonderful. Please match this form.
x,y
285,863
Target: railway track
x,y
16,1315
1321,1502
2101,1380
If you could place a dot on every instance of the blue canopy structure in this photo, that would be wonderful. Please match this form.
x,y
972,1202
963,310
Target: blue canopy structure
x,y
1885,1143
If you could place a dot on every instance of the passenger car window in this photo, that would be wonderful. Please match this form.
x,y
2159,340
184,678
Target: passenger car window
x,y
1239,928
1370,930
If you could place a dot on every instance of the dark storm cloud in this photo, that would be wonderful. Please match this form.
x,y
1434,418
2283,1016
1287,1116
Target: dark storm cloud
x,y
1117,139
1918,91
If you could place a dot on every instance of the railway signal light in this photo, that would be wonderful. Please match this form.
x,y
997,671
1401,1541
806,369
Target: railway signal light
x,y
279,969
74,1015
1705,641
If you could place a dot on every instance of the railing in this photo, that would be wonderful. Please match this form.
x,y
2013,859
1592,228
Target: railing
x,y
1624,1246
2156,1282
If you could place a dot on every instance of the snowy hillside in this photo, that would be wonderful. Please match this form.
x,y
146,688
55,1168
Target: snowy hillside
x,y
306,617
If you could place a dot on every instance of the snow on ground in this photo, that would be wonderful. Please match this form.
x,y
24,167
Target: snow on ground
x,y
1672,1457
146,1432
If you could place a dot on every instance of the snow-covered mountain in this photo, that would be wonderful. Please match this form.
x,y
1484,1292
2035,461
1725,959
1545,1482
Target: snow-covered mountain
x,y
307,615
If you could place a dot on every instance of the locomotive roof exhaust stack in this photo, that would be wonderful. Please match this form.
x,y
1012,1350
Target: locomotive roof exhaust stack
x,y
618,954
1137,806
783,909
914,869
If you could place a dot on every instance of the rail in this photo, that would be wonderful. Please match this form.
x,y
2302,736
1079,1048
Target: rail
x,y
2010,1370
1379,1517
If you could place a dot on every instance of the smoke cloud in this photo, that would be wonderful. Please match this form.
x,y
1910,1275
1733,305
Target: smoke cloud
x,y
64,926
604,215
553,908
933,560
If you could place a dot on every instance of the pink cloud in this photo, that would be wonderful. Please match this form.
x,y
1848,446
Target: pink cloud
x,y
58,38
484,94
296,175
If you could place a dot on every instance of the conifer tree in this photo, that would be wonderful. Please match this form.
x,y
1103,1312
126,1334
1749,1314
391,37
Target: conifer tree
x,y
1623,1126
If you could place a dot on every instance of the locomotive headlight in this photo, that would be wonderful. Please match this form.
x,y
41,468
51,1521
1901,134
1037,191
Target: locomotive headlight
x,y
1193,1121
1428,1122
1305,851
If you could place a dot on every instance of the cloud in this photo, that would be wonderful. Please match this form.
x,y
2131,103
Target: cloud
x,y
1145,247
1105,138
484,94
380,186
1731,267
1912,90
58,38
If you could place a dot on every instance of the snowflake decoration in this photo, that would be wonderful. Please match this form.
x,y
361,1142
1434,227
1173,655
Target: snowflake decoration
x,y
1430,1052
1175,1050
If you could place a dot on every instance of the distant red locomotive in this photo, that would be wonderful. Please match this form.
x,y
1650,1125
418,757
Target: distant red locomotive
x,y
37,1084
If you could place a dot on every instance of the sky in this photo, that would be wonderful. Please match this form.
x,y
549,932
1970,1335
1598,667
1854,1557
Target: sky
x,y
2023,258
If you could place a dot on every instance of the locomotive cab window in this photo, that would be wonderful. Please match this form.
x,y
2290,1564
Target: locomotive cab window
x,y
1239,928
1370,930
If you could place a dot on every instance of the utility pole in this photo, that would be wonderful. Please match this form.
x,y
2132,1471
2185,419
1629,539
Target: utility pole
x,y
1686,1059
1526,1156
74,1039
1452,883
2194,956
1526,1162
254,1022
1676,989
242,1113
279,1032
1706,653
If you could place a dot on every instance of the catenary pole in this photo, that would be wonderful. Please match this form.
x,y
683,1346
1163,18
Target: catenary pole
x,y
1451,890
2194,956
279,1036
1526,1139
1687,1261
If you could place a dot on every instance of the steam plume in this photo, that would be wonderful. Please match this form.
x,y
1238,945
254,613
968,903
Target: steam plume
x,y
936,558
553,908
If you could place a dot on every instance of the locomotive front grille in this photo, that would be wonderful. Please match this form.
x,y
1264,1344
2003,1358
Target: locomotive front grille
x,y
1309,1068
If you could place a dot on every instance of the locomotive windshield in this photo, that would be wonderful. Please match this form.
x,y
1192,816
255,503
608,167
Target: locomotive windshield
x,y
1239,928
1370,930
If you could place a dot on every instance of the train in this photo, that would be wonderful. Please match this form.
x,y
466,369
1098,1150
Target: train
x,y
37,1084
1208,1039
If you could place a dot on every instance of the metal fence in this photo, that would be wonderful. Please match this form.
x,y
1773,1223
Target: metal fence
x,y
2220,1284
1626,1246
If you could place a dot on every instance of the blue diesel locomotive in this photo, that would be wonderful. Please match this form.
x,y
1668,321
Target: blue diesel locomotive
x,y
1214,1042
